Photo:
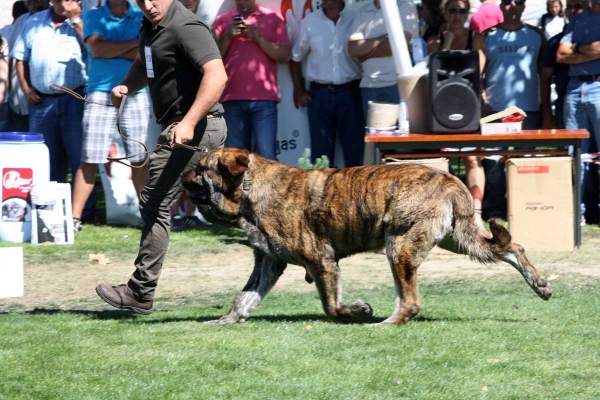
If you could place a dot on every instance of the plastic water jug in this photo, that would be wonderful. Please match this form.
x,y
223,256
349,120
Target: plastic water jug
x,y
24,160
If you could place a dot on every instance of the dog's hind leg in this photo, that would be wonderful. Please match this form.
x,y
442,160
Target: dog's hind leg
x,y
517,258
405,254
264,276
500,248
329,285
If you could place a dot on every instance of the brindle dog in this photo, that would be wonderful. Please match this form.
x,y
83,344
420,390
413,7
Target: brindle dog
x,y
314,218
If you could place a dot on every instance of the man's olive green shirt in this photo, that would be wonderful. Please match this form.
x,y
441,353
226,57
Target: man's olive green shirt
x,y
180,45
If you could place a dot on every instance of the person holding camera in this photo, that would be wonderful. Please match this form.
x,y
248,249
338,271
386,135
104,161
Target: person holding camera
x,y
252,40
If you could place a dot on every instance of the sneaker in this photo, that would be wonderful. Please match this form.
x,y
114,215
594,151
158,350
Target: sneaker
x,y
76,225
176,223
193,222
122,297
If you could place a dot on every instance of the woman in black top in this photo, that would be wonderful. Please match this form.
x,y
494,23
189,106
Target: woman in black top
x,y
455,36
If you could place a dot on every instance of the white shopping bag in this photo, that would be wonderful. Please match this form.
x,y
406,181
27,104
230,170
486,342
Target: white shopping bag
x,y
122,205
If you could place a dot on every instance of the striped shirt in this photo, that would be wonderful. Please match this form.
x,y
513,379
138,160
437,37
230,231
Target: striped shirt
x,y
54,55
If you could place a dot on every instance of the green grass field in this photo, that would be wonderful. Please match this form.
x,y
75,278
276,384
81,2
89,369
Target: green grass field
x,y
475,338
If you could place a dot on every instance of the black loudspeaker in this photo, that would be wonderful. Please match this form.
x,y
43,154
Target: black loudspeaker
x,y
454,91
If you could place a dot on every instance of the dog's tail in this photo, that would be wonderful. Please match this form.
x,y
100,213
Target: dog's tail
x,y
470,237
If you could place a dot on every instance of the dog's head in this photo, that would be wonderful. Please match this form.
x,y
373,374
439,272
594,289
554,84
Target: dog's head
x,y
216,182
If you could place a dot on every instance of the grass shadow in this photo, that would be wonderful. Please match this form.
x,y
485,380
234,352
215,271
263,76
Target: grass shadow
x,y
157,317
98,314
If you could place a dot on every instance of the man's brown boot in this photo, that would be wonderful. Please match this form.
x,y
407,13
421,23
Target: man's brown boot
x,y
122,297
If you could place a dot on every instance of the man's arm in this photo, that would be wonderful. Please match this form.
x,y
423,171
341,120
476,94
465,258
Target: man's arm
x,y
545,106
301,95
3,71
108,49
234,29
130,55
135,80
586,52
545,112
73,13
369,48
282,53
211,87
31,94
364,49
479,45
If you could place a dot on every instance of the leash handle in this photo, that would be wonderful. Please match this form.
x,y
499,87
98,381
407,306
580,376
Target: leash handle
x,y
146,152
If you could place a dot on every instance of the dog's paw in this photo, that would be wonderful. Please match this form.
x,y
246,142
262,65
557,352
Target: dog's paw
x,y
543,288
360,309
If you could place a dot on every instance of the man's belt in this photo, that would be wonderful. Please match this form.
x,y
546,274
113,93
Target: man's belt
x,y
587,78
178,118
331,86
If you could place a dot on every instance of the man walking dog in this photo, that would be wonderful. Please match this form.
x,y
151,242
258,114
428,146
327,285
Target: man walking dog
x,y
180,61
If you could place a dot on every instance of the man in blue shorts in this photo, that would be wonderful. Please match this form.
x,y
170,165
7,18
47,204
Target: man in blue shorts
x,y
111,34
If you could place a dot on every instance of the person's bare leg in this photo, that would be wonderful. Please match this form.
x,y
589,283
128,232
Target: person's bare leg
x,y
475,181
85,178
139,176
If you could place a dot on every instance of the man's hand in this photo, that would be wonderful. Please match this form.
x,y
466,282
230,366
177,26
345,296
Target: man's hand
x,y
182,133
32,96
72,9
116,95
302,97
236,28
251,30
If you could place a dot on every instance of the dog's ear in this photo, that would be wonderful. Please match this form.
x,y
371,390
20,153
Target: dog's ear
x,y
234,161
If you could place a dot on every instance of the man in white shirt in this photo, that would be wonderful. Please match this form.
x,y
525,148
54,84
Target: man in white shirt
x,y
370,44
333,100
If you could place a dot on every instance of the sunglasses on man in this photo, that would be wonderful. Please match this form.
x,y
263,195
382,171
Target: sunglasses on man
x,y
517,2
461,11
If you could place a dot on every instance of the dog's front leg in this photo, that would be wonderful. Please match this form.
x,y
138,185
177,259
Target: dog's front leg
x,y
327,280
264,276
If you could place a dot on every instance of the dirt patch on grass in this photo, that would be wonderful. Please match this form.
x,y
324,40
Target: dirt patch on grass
x,y
68,285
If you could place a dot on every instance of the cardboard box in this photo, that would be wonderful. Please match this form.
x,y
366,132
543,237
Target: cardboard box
x,y
540,203
52,216
11,272
492,124
439,163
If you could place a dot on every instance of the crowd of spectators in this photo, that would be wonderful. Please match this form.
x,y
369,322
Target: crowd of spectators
x,y
348,62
